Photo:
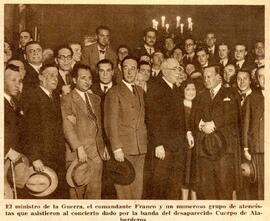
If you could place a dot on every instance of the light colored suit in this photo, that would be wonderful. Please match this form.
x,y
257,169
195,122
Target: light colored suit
x,y
81,130
90,57
124,122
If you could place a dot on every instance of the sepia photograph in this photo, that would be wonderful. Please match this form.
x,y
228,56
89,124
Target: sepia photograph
x,y
134,102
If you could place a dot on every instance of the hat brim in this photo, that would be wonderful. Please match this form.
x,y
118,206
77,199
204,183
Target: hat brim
x,y
53,185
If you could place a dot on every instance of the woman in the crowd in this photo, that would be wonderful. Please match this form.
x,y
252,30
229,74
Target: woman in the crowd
x,y
189,184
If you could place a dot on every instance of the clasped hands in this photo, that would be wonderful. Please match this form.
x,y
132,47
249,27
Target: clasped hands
x,y
207,127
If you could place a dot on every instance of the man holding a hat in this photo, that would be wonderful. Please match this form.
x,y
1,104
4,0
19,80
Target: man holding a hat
x,y
43,134
85,148
217,139
124,122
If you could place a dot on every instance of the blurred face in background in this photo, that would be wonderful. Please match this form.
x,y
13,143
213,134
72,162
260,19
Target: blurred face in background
x,y
261,78
240,52
169,44
178,55
223,51
189,46
190,92
229,71
259,49
77,52
158,57
7,52
145,70
210,40
64,59
150,38
103,37
122,53
202,57
25,37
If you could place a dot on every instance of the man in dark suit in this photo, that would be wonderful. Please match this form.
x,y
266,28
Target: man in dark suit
x,y
217,121
166,131
43,133
240,54
64,61
157,59
253,135
33,55
190,56
210,40
25,37
12,113
82,128
124,121
223,55
92,54
106,72
149,39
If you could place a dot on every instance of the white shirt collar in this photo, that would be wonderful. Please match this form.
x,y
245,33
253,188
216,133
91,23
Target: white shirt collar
x,y
107,85
240,63
224,61
216,89
128,85
248,92
7,96
167,82
263,93
36,67
99,48
147,47
212,48
46,91
205,65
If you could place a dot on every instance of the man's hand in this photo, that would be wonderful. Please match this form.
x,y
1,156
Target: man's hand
x,y
190,139
82,156
160,152
247,154
38,165
209,127
106,155
119,155
13,155
66,89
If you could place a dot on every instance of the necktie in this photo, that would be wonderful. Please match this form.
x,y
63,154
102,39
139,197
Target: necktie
x,y
105,88
133,89
150,51
102,51
12,103
243,98
238,67
89,108
212,94
68,80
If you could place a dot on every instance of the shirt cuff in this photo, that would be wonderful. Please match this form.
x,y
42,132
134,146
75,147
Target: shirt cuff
x,y
117,150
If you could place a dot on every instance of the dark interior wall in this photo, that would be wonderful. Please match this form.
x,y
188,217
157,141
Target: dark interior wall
x,y
63,23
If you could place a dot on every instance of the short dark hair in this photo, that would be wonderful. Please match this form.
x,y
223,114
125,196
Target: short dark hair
x,y
128,58
216,67
105,61
102,27
32,43
44,67
143,63
187,82
12,67
76,69
202,48
26,31
245,71
56,51
149,29
190,38
123,46
242,44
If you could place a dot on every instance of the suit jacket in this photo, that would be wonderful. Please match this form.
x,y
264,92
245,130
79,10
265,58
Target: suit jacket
x,y
138,52
165,117
253,125
193,61
12,128
31,79
84,131
214,58
124,120
246,66
223,111
43,134
90,57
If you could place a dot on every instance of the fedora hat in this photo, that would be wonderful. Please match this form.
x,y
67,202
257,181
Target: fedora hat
x,y
43,183
122,173
21,172
213,145
78,173
249,170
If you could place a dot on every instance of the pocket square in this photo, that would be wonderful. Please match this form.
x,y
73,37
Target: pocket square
x,y
227,99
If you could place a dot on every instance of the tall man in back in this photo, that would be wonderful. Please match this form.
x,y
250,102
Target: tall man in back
x,y
92,54
125,127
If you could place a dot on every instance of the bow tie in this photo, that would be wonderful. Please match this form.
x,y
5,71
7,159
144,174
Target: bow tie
x,y
102,51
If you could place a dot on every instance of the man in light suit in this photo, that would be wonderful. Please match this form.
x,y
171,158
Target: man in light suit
x,y
92,54
124,125
83,133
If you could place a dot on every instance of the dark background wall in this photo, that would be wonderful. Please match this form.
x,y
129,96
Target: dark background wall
x,y
62,23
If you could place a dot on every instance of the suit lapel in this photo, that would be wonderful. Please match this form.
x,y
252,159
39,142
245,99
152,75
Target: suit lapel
x,y
79,101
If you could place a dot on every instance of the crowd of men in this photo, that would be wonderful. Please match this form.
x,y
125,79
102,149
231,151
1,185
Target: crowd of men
x,y
83,107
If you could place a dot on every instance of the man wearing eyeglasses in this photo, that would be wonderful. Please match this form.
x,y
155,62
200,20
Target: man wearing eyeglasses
x,y
92,54
64,61
33,56
166,132
190,56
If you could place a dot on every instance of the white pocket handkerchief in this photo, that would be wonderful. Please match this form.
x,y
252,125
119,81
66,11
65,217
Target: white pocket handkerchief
x,y
227,99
